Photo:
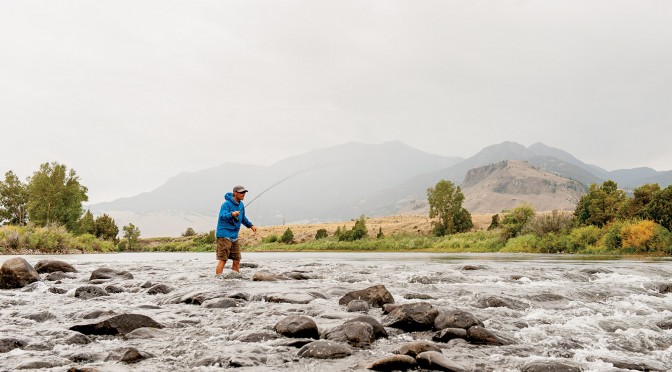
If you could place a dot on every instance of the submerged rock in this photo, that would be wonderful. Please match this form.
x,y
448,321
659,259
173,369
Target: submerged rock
x,y
52,266
480,335
324,349
117,325
376,296
393,363
436,361
416,347
58,275
17,273
497,301
412,317
297,326
222,303
10,343
261,336
550,366
378,329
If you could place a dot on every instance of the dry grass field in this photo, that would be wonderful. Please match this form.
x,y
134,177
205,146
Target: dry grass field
x,y
400,224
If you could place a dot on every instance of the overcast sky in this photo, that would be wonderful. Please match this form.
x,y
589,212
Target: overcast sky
x,y
130,93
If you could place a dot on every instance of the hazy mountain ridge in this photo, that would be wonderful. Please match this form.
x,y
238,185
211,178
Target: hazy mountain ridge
x,y
339,183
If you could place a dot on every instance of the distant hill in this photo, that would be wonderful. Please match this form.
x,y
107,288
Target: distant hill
x,y
508,184
345,181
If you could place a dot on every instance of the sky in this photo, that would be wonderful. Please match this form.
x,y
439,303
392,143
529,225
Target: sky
x,y
131,93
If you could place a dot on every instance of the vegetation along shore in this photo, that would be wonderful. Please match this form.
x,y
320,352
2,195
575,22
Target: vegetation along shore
x,y
38,220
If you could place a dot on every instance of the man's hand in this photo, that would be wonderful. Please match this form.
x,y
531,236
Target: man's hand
x,y
254,229
235,214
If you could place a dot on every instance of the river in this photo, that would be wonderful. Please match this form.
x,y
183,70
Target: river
x,y
600,315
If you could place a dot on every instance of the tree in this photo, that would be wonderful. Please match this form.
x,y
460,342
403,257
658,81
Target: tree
x,y
56,196
380,234
659,209
357,232
13,200
87,225
445,203
287,237
601,205
106,228
321,234
494,223
189,232
642,196
514,221
131,234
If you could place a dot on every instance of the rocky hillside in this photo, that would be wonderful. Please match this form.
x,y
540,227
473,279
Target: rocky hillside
x,y
507,184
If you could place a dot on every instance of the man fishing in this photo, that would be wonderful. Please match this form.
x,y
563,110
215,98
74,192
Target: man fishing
x,y
231,216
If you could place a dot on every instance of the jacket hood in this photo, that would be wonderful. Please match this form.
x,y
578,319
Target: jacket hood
x,y
229,197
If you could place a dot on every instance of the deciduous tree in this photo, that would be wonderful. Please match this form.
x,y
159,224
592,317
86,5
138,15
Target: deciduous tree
x,y
13,200
445,203
106,228
131,234
601,205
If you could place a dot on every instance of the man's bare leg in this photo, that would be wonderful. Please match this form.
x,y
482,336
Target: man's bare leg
x,y
235,266
220,267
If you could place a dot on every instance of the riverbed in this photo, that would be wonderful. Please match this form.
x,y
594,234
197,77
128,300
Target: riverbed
x,y
599,315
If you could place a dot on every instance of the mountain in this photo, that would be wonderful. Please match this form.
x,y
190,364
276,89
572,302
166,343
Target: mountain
x,y
507,184
346,181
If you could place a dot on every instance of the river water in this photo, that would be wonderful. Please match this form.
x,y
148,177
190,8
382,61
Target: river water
x,y
601,315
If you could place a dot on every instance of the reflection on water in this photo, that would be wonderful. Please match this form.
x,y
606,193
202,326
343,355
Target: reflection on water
x,y
596,313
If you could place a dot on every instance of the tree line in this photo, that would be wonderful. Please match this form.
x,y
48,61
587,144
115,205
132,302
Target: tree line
x,y
53,195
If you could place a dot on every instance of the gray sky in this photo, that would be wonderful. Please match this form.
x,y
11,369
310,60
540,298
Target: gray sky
x,y
130,93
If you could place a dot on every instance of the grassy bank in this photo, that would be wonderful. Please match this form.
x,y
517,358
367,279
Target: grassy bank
x,y
49,240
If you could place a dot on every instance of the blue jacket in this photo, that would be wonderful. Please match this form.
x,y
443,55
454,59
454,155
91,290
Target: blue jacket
x,y
227,226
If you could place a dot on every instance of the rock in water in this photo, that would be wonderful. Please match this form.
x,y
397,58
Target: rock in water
x,y
105,273
52,266
297,326
90,291
393,363
323,349
435,361
417,347
456,319
376,296
550,366
357,334
17,273
412,317
378,329
480,335
117,325
9,344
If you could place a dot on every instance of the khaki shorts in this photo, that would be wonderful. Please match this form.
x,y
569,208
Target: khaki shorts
x,y
228,249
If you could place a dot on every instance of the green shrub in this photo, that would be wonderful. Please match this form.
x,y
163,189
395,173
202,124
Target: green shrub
x,y
584,237
270,239
523,243
287,237
542,224
611,239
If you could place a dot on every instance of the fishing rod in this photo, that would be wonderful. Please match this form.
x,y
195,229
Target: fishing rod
x,y
272,186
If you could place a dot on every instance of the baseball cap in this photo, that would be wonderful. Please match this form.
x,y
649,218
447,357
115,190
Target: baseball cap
x,y
239,189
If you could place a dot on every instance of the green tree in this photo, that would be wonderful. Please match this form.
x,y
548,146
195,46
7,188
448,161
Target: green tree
x,y
494,222
131,235
287,237
380,234
87,224
321,234
56,196
601,205
659,210
445,203
13,200
189,232
643,195
106,228
514,222
357,232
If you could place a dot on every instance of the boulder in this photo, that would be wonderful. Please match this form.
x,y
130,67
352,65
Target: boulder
x,y
388,308
106,273
78,339
376,296
448,334
90,291
58,275
133,355
412,317
297,326
358,306
114,289
159,289
436,361
56,290
248,265
265,276
417,347
393,363
117,325
17,273
222,303
285,297
52,266
145,333
550,366
480,335
357,334
456,319
40,317
10,343
42,363
324,349
378,329
261,336
497,301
